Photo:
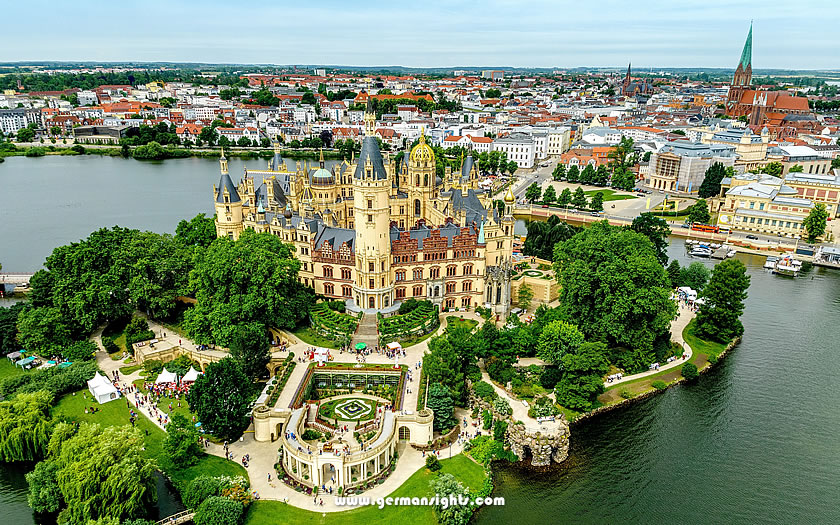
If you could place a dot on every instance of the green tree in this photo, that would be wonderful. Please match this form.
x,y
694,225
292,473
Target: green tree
x,y
44,330
441,364
549,195
774,168
99,472
597,203
674,273
209,135
219,398
181,442
815,222
573,174
695,276
556,340
719,317
615,289
8,328
446,485
579,199
79,351
621,155
251,280
198,231
796,168
655,229
698,213
689,371
439,400
25,426
565,197
249,346
533,192
25,135
217,510
711,181
559,172
835,162
44,493
587,175
583,376
524,296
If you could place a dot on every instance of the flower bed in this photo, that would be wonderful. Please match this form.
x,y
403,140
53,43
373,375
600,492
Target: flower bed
x,y
280,380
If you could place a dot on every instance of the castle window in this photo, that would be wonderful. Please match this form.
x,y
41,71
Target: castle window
x,y
371,284
370,218
328,271
401,275
370,204
468,269
345,273
434,273
450,287
371,266
450,270
418,291
418,274
465,302
400,293
467,286
417,207
328,289
450,303
346,291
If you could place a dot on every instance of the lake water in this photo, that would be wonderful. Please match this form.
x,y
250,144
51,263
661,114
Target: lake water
x,y
754,441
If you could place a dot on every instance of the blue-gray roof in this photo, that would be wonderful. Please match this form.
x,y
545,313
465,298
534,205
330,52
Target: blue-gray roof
x,y
335,237
226,184
370,152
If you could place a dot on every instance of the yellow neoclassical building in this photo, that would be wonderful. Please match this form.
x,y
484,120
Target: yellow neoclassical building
x,y
374,232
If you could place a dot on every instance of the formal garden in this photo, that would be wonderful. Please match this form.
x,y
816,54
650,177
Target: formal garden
x,y
328,318
348,409
415,318
335,379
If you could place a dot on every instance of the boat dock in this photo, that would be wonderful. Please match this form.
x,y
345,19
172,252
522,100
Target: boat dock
x,y
721,253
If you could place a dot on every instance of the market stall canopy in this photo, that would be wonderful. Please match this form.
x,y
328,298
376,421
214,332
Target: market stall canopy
x,y
191,375
394,346
166,376
14,356
101,389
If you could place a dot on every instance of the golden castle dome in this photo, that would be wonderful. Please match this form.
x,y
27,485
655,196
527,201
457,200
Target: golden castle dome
x,y
509,198
422,152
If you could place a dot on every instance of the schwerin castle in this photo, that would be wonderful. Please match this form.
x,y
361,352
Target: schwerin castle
x,y
375,233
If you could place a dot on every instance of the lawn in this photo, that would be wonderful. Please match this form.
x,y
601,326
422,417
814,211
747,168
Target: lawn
x,y
8,368
115,413
456,322
463,468
351,409
311,337
163,404
701,345
610,195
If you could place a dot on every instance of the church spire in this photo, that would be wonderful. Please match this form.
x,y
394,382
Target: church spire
x,y
746,54
743,73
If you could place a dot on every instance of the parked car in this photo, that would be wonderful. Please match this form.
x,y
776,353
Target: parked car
x,y
752,237
595,214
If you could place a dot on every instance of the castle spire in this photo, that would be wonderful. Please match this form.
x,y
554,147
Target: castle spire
x,y
223,164
321,161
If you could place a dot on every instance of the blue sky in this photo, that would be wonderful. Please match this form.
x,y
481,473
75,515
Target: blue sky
x,y
529,33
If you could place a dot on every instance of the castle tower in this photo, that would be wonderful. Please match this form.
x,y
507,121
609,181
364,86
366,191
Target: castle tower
x,y
421,179
508,220
228,204
374,287
370,119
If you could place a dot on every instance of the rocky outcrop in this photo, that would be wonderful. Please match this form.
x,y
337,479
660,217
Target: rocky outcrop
x,y
544,447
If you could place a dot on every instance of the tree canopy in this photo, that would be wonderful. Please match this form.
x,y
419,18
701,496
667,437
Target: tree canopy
x,y
219,398
615,289
815,222
656,230
719,317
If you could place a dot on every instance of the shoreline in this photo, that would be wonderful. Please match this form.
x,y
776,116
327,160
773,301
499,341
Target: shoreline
x,y
62,149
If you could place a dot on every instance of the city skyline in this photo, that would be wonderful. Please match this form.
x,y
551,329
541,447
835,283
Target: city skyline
x,y
432,35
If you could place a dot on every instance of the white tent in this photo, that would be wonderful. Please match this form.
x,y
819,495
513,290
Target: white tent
x,y
322,355
191,375
101,389
166,376
394,346
689,293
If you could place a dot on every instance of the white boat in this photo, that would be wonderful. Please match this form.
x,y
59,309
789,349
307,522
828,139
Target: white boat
x,y
787,266
770,263
700,251
731,253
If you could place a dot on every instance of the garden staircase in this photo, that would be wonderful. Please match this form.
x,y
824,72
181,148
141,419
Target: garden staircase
x,y
368,332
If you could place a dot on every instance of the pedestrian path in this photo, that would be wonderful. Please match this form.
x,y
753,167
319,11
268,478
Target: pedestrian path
x,y
686,314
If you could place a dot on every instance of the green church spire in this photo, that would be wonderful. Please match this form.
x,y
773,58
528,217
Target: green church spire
x,y
746,54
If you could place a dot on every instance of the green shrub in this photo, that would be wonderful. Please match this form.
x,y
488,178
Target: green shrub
x,y
626,394
689,371
502,407
432,462
488,419
109,345
659,385
79,351
550,376
713,359
311,435
484,390
35,151
217,510
499,431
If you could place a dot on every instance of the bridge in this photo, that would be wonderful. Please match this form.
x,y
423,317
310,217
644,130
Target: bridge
x,y
175,519
20,279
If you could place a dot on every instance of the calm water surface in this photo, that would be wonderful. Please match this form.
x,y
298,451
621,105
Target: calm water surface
x,y
754,441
